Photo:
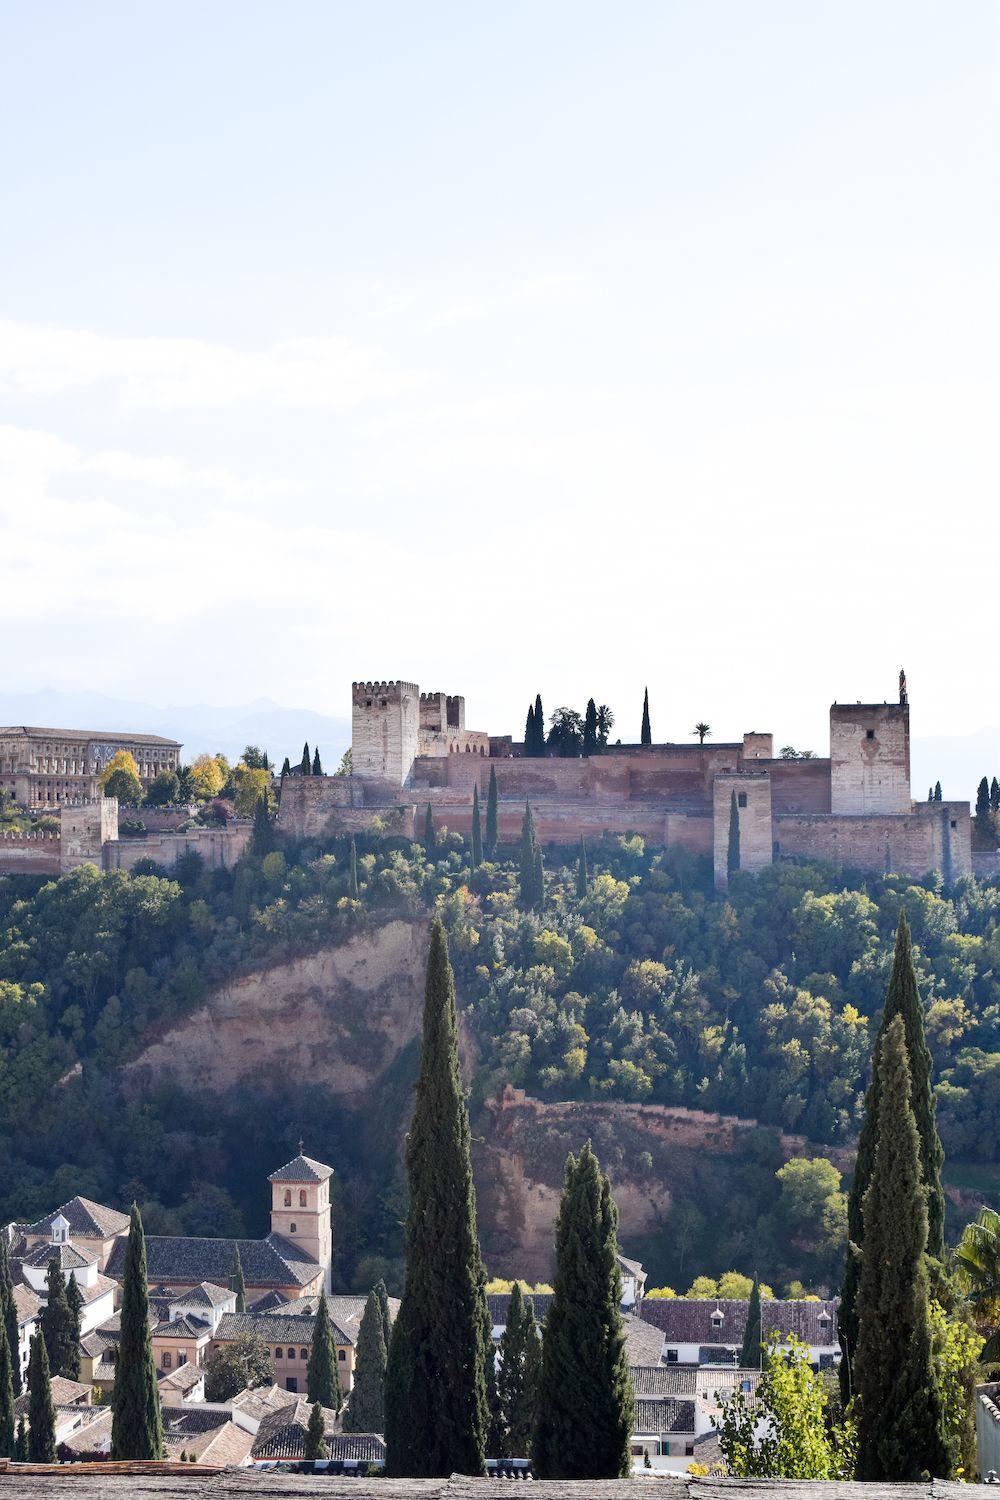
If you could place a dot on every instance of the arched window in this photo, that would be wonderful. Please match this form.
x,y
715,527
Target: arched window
x,y
291,1354
166,1361
342,1354
302,1197
288,1197
293,1228
278,1354
303,1354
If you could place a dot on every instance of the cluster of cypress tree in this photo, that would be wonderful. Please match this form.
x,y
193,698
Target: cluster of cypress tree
x,y
262,837
136,1423
987,808
436,1412
366,1409
308,765
532,873
534,729
934,792
584,1424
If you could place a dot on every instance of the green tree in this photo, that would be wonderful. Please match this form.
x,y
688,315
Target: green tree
x,y
7,1434
977,1263
8,1311
256,758
353,879
900,1426
123,785
605,724
74,1302
565,737
41,1407
262,838
519,1375
21,1443
435,1394
902,999
585,1399
529,731
317,765
783,1430
316,1431
366,1409
236,1281
702,730
383,1303
937,791
582,877
322,1379
539,731
590,728
750,1353
492,819
646,735
957,1349
477,830
242,1365
532,881
995,795
136,1424
430,838
733,851
55,1321
984,823
286,768
305,765
164,788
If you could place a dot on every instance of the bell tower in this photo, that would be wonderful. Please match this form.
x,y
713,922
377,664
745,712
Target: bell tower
x,y
300,1209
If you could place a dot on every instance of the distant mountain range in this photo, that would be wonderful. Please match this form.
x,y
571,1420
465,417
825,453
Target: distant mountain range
x,y
957,761
279,731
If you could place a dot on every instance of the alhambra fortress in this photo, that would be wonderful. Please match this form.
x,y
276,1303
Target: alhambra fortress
x,y
411,749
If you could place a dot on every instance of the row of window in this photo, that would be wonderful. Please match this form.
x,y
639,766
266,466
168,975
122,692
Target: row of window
x,y
304,1354
303,1201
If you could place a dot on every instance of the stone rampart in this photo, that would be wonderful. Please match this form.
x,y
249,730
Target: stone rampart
x,y
799,785
220,848
307,802
30,853
985,863
934,836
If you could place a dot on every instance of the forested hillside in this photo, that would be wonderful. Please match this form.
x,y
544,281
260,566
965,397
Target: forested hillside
x,y
646,987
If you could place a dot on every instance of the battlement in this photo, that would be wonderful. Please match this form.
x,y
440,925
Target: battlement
x,y
14,836
391,690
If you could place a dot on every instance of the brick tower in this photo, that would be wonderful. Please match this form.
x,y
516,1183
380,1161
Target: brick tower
x,y
300,1208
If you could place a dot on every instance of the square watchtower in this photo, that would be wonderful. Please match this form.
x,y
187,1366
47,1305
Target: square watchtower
x,y
300,1209
869,758
385,730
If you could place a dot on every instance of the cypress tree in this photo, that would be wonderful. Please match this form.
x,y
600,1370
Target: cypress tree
x,y
21,1443
286,769
315,1446
41,1407
136,1424
353,880
902,998
531,878
317,765
750,1353
477,830
581,872
733,851
55,1319
983,821
995,795
322,1379
492,819
7,1434
74,1302
8,1311
366,1409
383,1303
262,834
529,731
539,878
430,838
305,765
590,728
900,1426
518,1376
646,737
539,726
584,1425
930,794
937,791
236,1281
435,1396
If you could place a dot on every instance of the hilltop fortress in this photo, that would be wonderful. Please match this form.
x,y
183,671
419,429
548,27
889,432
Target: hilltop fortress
x,y
410,749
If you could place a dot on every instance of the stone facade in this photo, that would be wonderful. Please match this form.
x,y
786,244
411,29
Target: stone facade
x,y
46,768
88,835
854,807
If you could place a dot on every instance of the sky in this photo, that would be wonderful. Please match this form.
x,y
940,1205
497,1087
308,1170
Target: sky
x,y
558,347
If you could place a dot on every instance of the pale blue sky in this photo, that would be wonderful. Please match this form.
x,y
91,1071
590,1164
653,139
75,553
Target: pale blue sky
x,y
557,347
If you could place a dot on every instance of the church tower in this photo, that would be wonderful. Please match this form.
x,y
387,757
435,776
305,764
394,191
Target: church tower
x,y
300,1209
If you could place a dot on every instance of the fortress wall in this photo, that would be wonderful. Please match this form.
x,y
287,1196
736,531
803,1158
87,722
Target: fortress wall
x,y
681,773
910,845
30,853
799,785
307,801
220,848
985,864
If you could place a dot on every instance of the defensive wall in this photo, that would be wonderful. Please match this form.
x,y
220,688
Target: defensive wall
x,y
88,834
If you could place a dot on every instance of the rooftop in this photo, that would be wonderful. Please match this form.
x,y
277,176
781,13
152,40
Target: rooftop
x,y
86,1219
181,1258
301,1169
669,1415
70,1257
120,737
689,1320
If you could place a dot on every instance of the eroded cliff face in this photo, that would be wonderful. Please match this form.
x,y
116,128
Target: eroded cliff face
x,y
335,1018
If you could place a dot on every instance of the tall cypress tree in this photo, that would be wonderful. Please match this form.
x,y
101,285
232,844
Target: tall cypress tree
x,y
353,878
21,1443
383,1304
492,816
984,824
995,795
315,1443
136,1423
8,1311
584,1425
41,1407
286,768
900,1426
750,1352
902,998
322,1379
937,791
262,838
74,1302
305,765
646,737
539,726
532,887
236,1281
366,1409
7,1433
733,851
55,1319
477,830
519,1375
435,1397
590,728
582,877
430,838
317,765
529,731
